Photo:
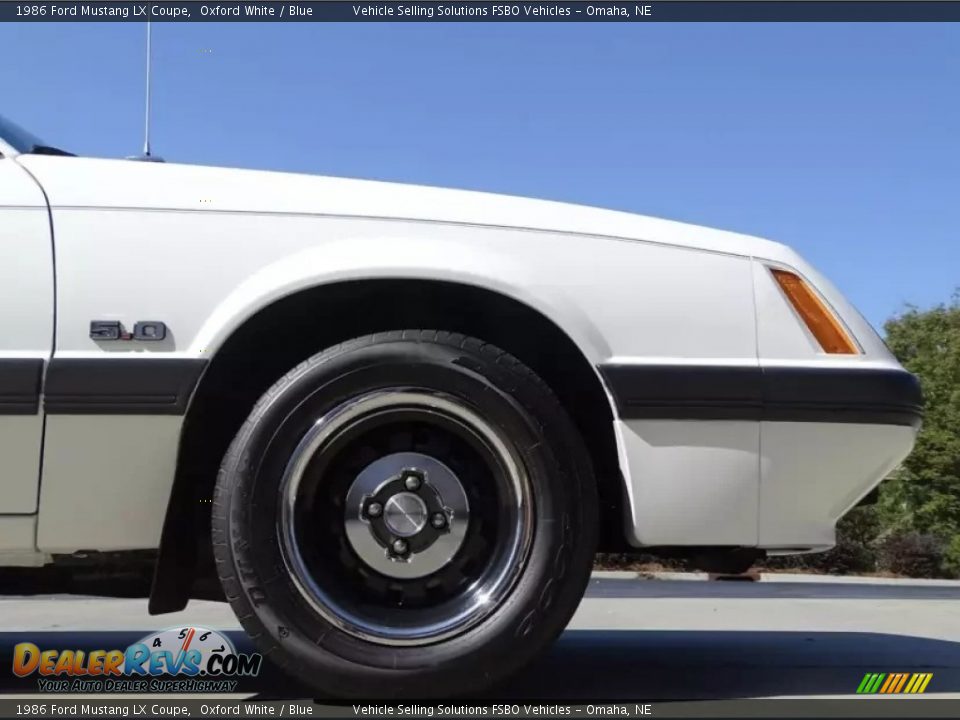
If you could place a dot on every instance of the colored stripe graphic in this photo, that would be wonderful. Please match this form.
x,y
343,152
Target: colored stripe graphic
x,y
891,680
894,683
903,681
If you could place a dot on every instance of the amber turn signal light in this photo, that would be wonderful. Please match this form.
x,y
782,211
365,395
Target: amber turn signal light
x,y
815,314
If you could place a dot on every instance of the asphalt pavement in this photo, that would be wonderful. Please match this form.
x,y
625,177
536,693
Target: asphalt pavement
x,y
676,637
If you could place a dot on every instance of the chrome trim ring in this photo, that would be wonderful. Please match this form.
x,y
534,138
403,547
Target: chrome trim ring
x,y
515,520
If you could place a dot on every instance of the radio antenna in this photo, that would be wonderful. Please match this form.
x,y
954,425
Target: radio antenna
x,y
146,115
146,120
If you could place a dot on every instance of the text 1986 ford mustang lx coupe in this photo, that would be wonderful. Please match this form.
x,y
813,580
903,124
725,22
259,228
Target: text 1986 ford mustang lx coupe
x,y
397,422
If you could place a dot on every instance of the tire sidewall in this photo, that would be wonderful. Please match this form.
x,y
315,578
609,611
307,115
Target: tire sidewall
x,y
522,410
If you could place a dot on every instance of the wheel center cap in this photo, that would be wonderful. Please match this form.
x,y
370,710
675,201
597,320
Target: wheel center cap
x,y
405,514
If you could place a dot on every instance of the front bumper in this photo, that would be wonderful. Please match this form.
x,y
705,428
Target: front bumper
x,y
766,456
783,393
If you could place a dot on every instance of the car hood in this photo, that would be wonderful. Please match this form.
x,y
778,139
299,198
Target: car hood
x,y
99,183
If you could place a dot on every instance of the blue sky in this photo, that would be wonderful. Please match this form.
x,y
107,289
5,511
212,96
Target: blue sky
x,y
842,140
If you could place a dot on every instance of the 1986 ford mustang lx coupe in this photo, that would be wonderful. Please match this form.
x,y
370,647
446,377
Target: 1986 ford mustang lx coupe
x,y
393,423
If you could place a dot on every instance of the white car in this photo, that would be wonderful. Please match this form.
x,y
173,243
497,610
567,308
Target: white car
x,y
397,422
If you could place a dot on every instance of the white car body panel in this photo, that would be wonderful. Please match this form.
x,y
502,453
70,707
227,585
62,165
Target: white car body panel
x,y
26,328
550,272
125,503
17,542
80,182
204,249
812,473
691,480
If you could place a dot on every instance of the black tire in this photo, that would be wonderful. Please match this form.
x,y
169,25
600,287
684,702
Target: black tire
x,y
249,551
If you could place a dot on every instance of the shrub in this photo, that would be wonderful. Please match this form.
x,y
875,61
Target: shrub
x,y
845,558
951,557
913,554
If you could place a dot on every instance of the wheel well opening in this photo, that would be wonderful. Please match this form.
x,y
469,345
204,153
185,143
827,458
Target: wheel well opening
x,y
293,328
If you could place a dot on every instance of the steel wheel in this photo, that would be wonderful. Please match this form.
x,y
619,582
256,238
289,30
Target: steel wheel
x,y
406,517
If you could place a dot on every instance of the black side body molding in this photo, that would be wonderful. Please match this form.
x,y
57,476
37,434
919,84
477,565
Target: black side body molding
x,y
20,385
121,386
785,394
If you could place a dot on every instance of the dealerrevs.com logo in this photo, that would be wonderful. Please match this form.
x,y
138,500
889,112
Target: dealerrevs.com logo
x,y
191,659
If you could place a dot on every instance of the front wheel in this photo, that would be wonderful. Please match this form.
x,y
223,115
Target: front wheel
x,y
409,514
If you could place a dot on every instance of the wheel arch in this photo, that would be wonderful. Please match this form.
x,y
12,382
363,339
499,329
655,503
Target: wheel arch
x,y
304,321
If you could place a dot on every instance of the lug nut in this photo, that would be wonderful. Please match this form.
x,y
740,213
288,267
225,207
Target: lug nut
x,y
400,547
374,509
439,520
412,482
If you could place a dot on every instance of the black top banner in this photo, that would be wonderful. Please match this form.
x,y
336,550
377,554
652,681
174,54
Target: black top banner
x,y
485,11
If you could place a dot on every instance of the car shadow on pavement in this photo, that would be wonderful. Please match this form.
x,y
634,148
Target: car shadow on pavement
x,y
593,666
597,665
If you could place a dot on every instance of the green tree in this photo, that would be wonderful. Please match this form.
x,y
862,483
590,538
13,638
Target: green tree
x,y
924,493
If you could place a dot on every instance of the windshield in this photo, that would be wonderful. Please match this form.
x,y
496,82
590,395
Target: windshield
x,y
18,138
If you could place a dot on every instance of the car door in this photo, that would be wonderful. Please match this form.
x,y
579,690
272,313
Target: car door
x,y
26,333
